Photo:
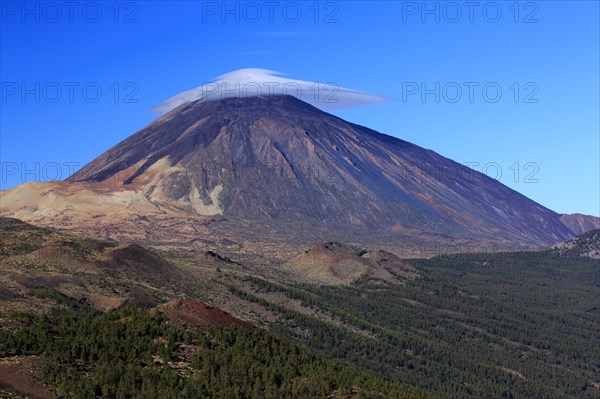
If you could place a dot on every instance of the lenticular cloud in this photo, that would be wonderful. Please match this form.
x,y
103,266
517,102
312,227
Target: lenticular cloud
x,y
253,82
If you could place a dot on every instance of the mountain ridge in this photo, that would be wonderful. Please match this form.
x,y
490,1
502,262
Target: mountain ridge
x,y
579,223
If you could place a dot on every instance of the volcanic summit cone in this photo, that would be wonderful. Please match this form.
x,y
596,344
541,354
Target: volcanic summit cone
x,y
279,161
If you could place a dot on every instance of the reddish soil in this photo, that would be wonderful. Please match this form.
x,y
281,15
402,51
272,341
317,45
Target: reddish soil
x,y
190,313
18,374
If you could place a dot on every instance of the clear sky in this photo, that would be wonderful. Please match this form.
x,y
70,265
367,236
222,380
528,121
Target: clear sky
x,y
77,79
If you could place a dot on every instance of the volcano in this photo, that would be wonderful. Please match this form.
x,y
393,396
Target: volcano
x,y
278,161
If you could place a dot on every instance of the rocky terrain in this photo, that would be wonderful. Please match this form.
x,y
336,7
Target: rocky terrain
x,y
105,275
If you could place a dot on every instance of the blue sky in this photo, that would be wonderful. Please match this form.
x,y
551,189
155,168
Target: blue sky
x,y
75,81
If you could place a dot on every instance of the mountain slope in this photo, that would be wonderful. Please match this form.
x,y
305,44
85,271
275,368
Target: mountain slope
x,y
279,160
586,245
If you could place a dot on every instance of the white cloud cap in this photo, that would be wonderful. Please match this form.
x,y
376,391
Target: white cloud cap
x,y
250,82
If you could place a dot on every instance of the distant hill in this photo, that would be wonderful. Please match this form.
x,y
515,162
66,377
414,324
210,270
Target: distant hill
x,y
579,223
336,263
